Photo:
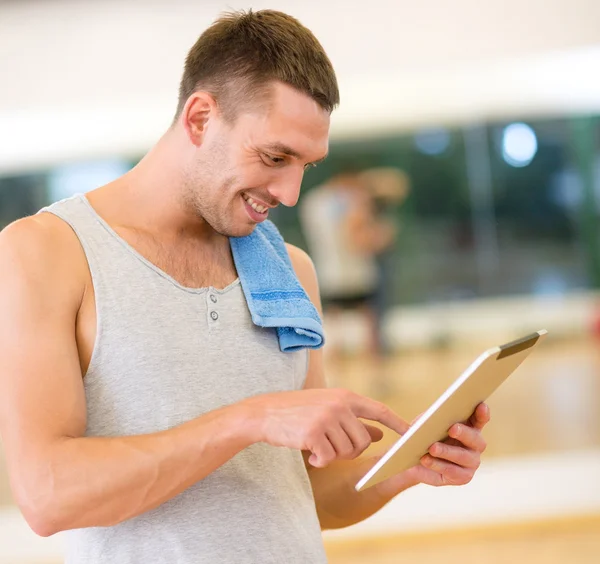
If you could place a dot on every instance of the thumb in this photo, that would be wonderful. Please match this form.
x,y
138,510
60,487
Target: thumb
x,y
375,432
315,461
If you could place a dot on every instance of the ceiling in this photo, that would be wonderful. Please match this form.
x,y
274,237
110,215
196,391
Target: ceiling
x,y
90,77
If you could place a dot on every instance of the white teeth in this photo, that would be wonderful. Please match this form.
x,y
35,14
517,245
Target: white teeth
x,y
254,205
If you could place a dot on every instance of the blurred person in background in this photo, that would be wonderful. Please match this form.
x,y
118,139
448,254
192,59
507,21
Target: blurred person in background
x,y
389,188
346,234
141,410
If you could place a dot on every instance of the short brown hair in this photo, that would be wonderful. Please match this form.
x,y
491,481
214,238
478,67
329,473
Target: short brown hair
x,y
241,53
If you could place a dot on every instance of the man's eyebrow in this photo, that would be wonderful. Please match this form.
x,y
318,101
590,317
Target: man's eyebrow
x,y
286,150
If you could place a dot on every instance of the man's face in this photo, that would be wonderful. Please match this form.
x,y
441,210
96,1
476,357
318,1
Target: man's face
x,y
256,163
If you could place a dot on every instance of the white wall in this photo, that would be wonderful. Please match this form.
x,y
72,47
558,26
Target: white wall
x,y
87,78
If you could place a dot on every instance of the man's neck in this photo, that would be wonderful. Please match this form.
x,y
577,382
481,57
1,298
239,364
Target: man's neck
x,y
150,197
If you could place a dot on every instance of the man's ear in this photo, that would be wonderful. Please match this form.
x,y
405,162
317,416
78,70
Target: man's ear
x,y
196,115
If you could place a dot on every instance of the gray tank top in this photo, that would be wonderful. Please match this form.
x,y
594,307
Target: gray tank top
x,y
165,354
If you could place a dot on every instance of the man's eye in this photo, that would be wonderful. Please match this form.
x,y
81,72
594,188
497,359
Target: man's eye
x,y
309,165
275,160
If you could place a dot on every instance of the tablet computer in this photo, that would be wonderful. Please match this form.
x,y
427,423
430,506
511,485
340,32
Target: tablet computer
x,y
455,405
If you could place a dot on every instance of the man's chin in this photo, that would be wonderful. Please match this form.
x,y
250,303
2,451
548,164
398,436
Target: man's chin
x,y
245,232
240,230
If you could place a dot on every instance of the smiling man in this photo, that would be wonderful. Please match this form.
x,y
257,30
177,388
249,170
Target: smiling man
x,y
141,410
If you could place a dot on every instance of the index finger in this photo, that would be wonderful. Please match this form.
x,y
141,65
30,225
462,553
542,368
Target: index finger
x,y
373,410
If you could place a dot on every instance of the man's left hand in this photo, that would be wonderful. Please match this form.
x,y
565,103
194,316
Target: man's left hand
x,y
452,462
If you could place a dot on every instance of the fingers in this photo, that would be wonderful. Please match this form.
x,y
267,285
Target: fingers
x,y
455,454
470,437
437,472
455,461
454,464
360,435
348,437
372,410
375,432
346,441
416,418
322,454
480,417
344,435
342,443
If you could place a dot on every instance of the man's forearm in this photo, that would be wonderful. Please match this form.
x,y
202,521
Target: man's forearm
x,y
102,481
339,504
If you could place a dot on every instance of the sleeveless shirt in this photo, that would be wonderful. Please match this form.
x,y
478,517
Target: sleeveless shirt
x,y
165,354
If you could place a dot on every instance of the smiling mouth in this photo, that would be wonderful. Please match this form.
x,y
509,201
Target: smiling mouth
x,y
255,205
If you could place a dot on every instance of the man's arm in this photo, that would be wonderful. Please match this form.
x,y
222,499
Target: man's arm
x,y
453,462
62,479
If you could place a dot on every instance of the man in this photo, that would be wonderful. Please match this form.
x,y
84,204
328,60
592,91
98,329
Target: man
x,y
140,408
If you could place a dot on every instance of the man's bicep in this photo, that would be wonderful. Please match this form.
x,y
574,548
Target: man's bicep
x,y
305,270
41,389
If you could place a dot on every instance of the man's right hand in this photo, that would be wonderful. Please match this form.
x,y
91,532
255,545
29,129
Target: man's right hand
x,y
323,421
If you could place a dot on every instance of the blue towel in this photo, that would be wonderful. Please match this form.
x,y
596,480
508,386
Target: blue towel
x,y
272,290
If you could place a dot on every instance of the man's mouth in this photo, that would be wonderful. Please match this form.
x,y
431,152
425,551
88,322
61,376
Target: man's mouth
x,y
258,212
260,208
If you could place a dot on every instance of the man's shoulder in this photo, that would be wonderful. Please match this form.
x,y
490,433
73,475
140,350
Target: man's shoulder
x,y
44,248
300,258
305,271
37,234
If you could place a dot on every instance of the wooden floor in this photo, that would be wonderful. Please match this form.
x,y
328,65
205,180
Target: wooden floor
x,y
551,404
575,541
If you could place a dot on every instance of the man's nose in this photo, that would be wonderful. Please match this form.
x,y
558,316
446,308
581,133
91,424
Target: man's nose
x,y
287,188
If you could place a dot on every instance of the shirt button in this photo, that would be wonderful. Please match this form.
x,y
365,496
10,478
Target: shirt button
x,y
213,298
214,315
